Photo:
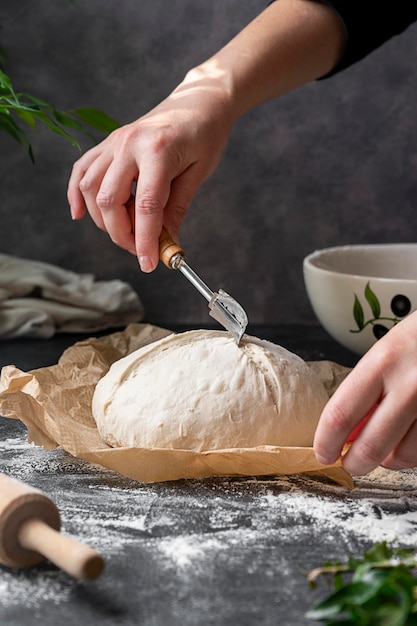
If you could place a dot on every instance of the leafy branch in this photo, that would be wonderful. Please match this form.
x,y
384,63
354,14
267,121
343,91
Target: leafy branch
x,y
381,590
16,108
374,304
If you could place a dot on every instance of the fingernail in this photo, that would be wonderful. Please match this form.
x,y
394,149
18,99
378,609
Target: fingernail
x,y
72,213
146,264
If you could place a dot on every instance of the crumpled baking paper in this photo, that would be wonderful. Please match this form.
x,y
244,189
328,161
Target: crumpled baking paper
x,y
55,405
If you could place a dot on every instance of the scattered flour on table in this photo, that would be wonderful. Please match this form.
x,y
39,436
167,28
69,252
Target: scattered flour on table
x,y
185,551
16,443
359,519
237,517
33,588
191,550
345,517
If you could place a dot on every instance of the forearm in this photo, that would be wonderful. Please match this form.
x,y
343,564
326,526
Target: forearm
x,y
170,151
292,42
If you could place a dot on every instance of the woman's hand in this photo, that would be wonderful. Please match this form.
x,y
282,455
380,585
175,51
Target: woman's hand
x,y
168,152
380,393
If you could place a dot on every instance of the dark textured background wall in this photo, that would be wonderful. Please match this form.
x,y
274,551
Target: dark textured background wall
x,y
334,162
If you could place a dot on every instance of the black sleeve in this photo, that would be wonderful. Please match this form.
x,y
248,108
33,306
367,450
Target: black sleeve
x,y
370,23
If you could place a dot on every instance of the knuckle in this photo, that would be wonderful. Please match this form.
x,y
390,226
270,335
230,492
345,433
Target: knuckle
x,y
104,200
386,355
367,452
128,136
160,142
148,205
336,417
127,131
85,184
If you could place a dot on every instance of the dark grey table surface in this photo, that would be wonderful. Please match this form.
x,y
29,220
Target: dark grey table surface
x,y
224,551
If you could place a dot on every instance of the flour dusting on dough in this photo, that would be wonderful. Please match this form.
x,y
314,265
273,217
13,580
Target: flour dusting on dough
x,y
200,391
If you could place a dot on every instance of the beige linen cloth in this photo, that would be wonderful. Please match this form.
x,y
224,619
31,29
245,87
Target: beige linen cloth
x,y
38,300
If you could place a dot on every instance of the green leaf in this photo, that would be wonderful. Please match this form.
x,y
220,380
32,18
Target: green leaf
x,y
8,124
96,119
378,552
6,82
352,593
353,563
381,591
372,301
55,128
27,117
31,155
4,91
373,577
67,120
14,104
393,605
358,313
30,109
38,101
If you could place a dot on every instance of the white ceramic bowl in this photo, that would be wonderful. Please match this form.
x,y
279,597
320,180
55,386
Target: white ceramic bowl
x,y
360,292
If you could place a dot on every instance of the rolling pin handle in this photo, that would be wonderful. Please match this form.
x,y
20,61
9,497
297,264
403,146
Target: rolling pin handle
x,y
29,533
75,558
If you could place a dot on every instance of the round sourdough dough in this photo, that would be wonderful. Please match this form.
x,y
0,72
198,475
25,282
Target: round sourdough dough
x,y
199,391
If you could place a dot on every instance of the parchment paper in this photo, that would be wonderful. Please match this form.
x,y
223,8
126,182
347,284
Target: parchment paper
x,y
55,405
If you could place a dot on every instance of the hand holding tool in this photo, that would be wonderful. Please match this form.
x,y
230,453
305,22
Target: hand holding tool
x,y
29,532
223,308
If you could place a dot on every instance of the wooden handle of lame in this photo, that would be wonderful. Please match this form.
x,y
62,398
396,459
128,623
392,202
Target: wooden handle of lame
x,y
167,246
75,558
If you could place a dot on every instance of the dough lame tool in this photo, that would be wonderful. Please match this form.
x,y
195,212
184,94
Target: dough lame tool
x,y
29,533
223,308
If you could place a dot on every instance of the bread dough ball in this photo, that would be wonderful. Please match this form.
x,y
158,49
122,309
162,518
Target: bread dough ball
x,y
199,390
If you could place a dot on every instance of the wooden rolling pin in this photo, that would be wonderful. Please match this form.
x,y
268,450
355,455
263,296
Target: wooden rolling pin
x,y
29,533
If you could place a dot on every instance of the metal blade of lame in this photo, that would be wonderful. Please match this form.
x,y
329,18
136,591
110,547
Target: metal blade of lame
x,y
223,308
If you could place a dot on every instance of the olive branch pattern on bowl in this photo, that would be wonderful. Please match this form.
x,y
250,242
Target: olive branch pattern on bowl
x,y
400,307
